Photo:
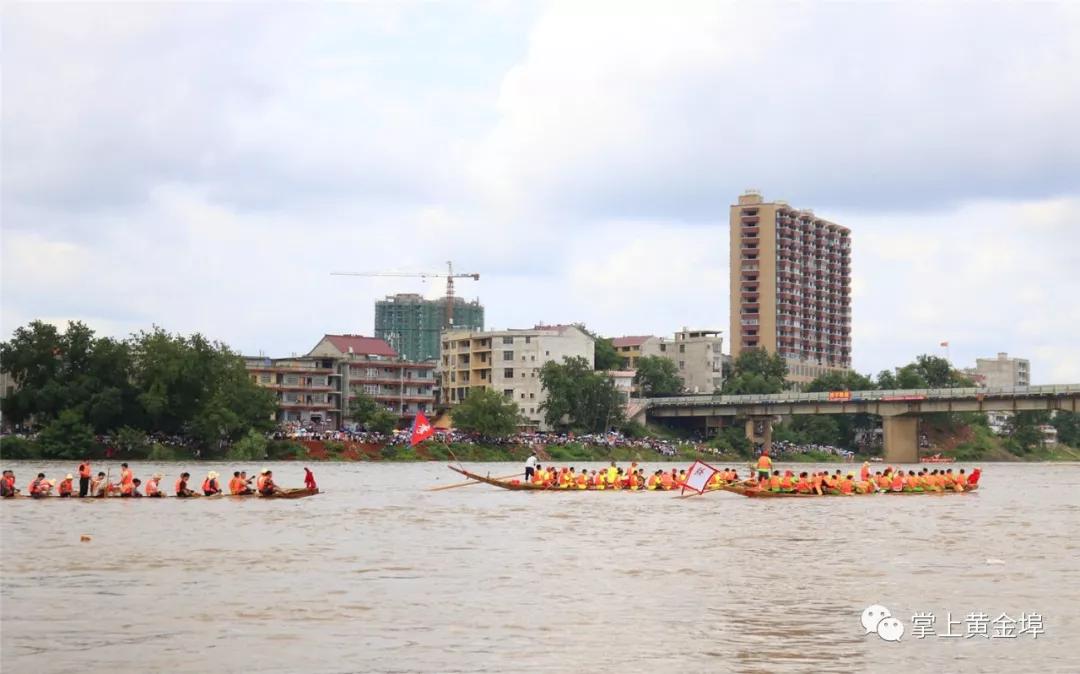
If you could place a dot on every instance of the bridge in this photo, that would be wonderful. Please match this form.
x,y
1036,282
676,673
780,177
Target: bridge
x,y
899,409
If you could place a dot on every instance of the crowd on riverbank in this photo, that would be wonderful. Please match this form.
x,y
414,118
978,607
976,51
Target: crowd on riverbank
x,y
789,449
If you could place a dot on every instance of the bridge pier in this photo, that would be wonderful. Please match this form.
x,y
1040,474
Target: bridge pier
x,y
759,431
901,439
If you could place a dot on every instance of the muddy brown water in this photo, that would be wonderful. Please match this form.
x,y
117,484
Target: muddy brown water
x,y
378,575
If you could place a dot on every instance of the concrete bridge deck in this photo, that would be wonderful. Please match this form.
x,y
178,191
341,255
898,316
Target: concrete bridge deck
x,y
899,409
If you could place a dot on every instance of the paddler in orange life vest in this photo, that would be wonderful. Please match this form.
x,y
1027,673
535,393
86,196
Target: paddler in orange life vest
x,y
84,478
126,478
764,466
210,485
152,488
181,486
7,485
66,487
39,487
864,472
265,484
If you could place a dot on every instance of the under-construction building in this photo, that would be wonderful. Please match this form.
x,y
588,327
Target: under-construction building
x,y
412,324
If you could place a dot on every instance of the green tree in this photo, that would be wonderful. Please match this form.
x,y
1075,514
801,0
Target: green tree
x,y
1068,428
819,429
486,412
66,437
382,421
369,413
886,380
1023,430
251,447
606,357
579,398
755,371
658,376
362,407
836,380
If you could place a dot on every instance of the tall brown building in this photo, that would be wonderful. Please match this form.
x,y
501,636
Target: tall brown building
x,y
790,286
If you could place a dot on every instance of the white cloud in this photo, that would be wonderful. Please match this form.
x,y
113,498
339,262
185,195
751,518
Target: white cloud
x,y
205,167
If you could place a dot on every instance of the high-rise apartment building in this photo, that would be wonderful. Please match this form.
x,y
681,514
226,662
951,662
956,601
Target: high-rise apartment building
x,y
412,324
790,286
509,362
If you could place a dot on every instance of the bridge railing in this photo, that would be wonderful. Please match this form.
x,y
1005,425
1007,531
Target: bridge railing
x,y
868,396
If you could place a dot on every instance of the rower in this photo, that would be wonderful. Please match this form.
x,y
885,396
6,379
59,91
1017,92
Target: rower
x,y
210,485
131,489
126,478
774,481
583,479
181,486
97,485
764,466
66,486
268,488
247,484
7,485
152,488
864,472
84,478
803,485
612,474
974,479
39,487
530,465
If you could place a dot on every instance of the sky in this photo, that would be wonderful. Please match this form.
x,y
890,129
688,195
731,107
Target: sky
x,y
205,166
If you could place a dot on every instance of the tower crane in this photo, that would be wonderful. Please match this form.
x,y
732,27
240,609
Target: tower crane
x,y
449,276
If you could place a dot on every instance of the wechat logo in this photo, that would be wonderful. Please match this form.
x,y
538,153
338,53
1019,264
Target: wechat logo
x,y
876,619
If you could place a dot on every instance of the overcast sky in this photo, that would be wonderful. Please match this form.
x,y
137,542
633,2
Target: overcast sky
x,y
205,166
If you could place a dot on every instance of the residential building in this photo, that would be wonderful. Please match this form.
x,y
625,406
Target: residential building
x,y
1002,371
412,324
306,388
369,365
697,354
624,382
315,389
790,286
629,349
509,361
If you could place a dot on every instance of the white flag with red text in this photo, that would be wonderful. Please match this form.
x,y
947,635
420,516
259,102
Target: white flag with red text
x,y
698,476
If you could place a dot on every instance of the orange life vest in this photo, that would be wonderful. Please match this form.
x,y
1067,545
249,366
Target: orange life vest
x,y
785,483
260,482
152,488
802,486
846,486
181,485
126,477
84,470
65,487
582,481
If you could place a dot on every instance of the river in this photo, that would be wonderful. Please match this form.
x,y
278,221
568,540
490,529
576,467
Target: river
x,y
379,575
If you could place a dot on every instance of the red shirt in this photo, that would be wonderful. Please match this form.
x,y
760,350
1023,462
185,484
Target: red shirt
x,y
309,479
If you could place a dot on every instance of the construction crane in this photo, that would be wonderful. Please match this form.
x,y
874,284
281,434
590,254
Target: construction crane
x,y
449,276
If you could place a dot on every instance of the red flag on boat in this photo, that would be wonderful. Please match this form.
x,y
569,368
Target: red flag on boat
x,y
698,476
421,430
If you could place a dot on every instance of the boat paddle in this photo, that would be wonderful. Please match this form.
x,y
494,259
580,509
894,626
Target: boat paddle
x,y
470,482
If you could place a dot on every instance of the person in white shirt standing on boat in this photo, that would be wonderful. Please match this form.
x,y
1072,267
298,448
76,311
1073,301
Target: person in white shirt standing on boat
x,y
530,466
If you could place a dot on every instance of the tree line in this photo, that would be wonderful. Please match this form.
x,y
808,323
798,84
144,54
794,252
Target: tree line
x,y
73,385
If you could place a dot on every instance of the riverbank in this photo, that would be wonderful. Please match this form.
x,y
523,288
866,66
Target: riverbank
x,y
319,451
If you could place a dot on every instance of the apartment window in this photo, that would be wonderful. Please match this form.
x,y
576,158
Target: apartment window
x,y
508,355
292,379
523,396
508,393
547,353
663,347
682,348
508,340
508,373
528,340
532,395
682,365
264,378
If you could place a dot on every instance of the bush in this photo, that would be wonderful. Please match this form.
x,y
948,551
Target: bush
x,y
133,442
251,447
14,448
67,437
283,450
160,452
388,452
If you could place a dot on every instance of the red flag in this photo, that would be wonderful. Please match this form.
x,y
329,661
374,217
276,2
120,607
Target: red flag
x,y
421,430
944,343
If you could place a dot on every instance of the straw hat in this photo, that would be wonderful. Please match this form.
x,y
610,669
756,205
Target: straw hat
x,y
265,471
68,477
212,475
156,476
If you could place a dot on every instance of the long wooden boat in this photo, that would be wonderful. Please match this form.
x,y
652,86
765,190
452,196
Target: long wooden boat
x,y
300,492
763,493
529,486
